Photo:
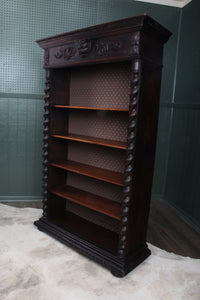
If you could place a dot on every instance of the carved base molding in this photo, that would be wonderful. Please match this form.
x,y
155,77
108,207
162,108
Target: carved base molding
x,y
117,265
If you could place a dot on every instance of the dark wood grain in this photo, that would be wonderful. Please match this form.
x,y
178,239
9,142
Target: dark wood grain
x,y
46,142
90,171
92,140
100,204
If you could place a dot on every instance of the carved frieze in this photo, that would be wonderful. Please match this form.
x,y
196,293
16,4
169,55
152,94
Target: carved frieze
x,y
83,48
106,46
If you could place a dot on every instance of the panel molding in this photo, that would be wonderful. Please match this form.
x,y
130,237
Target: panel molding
x,y
180,105
20,198
41,97
21,96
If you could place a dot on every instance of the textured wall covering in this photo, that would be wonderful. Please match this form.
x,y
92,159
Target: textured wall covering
x,y
183,179
22,80
20,158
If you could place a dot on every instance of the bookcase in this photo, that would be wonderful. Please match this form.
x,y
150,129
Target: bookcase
x,y
100,123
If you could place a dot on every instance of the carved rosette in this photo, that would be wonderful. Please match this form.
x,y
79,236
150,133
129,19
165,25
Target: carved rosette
x,y
66,53
130,155
45,142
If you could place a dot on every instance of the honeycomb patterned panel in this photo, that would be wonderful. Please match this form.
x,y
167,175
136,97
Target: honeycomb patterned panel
x,y
97,187
101,124
104,85
93,216
102,157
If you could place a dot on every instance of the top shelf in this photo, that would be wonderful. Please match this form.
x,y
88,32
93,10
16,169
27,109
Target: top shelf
x,y
90,108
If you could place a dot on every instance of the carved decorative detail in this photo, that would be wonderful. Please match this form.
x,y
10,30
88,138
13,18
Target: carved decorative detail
x,y
135,43
69,52
116,45
46,57
85,47
66,53
45,141
59,54
102,48
130,155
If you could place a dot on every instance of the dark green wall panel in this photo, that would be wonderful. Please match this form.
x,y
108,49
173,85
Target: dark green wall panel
x,y
188,71
162,146
21,138
183,180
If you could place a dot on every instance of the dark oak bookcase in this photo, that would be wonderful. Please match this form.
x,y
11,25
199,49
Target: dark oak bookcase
x,y
100,122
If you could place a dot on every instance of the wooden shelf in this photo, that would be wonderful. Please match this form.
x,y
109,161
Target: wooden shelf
x,y
90,171
94,202
90,108
90,232
92,140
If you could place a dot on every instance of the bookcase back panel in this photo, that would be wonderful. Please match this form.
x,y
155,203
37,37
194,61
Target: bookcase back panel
x,y
103,85
100,188
93,216
102,157
101,124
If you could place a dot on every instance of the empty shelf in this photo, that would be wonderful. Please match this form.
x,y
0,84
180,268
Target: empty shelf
x,y
90,171
92,140
92,201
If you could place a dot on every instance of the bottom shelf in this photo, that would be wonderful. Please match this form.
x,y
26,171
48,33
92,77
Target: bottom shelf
x,y
83,240
88,231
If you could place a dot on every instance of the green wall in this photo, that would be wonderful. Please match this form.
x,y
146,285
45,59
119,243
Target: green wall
x,y
22,85
183,175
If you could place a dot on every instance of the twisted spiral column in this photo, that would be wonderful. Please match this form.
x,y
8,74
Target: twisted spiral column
x,y
130,155
45,141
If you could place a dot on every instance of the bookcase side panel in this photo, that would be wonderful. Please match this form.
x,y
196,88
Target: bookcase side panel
x,y
145,144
